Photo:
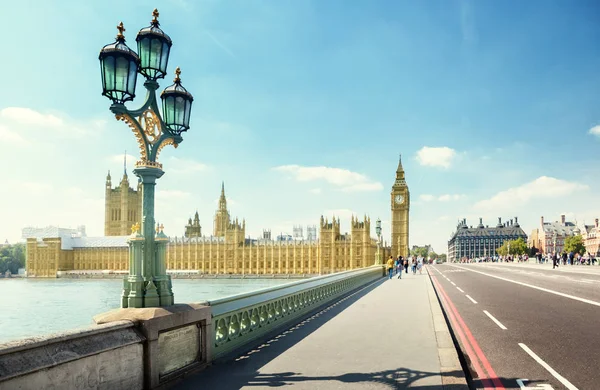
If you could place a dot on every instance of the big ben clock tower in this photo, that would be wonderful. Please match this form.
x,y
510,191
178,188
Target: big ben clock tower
x,y
400,199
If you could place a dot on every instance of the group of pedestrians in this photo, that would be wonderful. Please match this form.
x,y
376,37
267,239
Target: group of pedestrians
x,y
401,264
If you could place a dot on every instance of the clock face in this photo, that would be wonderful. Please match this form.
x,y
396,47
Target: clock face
x,y
399,199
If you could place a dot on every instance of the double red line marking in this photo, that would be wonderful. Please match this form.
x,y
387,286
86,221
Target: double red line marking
x,y
490,379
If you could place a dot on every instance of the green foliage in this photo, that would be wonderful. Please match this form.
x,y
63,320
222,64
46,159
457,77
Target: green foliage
x,y
574,244
442,257
420,251
12,257
517,247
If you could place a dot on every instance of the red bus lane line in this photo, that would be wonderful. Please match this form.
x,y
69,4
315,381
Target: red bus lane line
x,y
478,351
481,375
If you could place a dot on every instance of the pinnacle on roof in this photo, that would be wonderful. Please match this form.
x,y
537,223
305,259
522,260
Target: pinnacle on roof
x,y
400,168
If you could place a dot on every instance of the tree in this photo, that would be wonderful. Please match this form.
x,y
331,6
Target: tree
x,y
420,251
574,244
442,257
517,247
12,257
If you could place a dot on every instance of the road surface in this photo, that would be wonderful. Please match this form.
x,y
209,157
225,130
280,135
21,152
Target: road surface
x,y
525,327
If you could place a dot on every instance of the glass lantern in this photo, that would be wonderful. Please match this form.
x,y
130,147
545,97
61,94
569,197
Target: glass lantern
x,y
177,106
153,48
119,66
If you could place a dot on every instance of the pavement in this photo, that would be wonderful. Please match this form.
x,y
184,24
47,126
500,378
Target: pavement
x,y
390,334
524,326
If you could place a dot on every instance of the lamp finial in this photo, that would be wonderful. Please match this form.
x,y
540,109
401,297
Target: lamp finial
x,y
155,14
121,30
177,73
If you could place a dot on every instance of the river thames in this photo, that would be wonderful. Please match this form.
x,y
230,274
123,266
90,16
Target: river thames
x,y
33,307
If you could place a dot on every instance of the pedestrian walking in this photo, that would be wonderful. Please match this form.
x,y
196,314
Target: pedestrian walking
x,y
390,267
400,267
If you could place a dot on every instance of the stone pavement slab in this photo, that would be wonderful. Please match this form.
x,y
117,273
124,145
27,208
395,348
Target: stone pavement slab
x,y
380,337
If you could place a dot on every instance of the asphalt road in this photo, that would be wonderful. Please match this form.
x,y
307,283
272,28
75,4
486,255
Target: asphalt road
x,y
527,327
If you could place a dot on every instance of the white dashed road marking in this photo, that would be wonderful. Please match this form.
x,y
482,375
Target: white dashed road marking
x,y
588,301
495,320
555,374
460,289
472,300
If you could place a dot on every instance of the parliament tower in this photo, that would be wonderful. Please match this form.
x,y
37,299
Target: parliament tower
x,y
122,206
400,201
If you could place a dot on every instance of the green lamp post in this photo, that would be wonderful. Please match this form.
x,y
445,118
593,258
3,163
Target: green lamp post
x,y
378,232
147,284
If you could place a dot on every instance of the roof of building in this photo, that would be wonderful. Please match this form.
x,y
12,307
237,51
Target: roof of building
x,y
99,242
560,228
65,234
464,231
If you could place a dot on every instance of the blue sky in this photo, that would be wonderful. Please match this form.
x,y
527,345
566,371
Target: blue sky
x,y
303,106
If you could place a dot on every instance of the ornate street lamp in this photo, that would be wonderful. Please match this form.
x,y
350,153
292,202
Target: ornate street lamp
x,y
378,232
148,284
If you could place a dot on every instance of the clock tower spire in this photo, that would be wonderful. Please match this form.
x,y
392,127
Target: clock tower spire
x,y
400,202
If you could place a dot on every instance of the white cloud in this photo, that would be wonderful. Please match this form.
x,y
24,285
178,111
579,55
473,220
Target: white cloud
x,y
436,156
25,120
315,190
449,197
182,165
27,116
36,186
362,187
342,214
427,197
542,187
74,192
10,138
119,158
595,130
441,198
345,179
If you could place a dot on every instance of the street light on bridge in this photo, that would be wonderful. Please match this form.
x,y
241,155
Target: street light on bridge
x,y
378,232
147,284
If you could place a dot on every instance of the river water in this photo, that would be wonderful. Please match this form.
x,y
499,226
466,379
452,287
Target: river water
x,y
33,307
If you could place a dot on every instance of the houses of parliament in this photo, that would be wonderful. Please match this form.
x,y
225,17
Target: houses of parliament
x,y
53,251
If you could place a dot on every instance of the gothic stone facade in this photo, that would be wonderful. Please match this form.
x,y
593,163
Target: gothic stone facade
x,y
227,251
482,241
400,204
123,207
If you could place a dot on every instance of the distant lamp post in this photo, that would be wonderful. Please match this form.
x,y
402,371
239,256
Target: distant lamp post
x,y
378,232
148,284
509,249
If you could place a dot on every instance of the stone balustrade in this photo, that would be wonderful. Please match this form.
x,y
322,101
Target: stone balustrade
x,y
241,319
151,347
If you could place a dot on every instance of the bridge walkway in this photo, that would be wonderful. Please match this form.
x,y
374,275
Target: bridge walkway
x,y
379,337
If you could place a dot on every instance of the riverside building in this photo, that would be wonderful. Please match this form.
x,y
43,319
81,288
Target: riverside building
x,y
52,251
470,242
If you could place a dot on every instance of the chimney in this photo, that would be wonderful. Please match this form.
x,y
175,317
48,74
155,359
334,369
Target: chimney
x,y
511,222
542,219
499,220
464,221
562,219
516,221
596,221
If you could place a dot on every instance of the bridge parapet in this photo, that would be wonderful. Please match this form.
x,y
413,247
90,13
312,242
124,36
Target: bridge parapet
x,y
241,319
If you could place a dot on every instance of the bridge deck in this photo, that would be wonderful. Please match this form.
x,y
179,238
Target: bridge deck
x,y
380,337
